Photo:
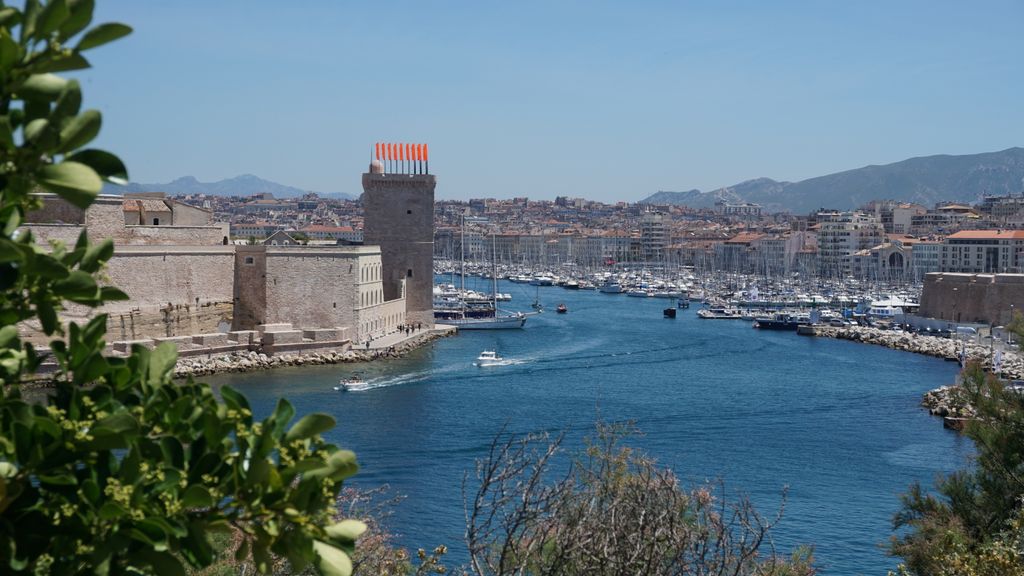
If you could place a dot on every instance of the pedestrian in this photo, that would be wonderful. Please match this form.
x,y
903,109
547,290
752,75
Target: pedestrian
x,y
367,344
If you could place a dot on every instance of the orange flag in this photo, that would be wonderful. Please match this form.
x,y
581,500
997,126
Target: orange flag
x,y
376,149
426,153
419,152
387,151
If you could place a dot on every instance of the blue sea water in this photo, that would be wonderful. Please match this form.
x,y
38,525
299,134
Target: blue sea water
x,y
836,422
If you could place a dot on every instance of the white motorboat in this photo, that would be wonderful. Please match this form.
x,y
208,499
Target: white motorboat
x,y
352,384
489,358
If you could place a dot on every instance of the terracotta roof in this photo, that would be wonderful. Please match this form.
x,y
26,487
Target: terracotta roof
x,y
744,238
988,235
321,228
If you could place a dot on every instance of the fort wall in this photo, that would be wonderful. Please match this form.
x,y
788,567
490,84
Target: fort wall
x,y
972,298
173,291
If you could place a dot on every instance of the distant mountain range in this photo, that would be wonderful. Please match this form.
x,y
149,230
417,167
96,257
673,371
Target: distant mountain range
x,y
925,180
244,185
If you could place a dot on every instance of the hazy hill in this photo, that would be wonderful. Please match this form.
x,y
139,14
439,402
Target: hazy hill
x,y
924,180
244,185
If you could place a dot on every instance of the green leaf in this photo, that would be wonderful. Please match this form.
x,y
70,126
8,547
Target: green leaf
x,y
80,131
161,363
47,316
77,286
10,52
47,266
8,335
9,17
96,255
42,87
108,166
81,16
332,561
74,61
233,398
102,34
162,563
309,426
346,530
109,294
152,533
340,465
196,496
6,133
69,102
119,423
53,15
36,130
74,182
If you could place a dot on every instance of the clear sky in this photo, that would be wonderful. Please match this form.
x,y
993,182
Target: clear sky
x,y
604,100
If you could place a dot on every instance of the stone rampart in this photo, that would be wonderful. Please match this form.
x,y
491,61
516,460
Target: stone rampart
x,y
972,298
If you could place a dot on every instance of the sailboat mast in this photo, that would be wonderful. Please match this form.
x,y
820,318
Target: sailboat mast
x,y
462,259
494,273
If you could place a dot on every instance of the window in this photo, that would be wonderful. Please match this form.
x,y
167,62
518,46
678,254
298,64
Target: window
x,y
156,221
408,211
250,260
408,274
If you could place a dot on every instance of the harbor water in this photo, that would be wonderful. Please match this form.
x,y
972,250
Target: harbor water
x,y
836,422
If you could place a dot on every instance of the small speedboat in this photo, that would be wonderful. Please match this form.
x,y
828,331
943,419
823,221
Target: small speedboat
x,y
561,309
489,358
353,384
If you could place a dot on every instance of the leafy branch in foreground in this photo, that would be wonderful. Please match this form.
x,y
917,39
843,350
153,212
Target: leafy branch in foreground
x,y
119,470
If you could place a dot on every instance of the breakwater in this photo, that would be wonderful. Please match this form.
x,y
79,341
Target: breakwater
x,y
250,361
1012,366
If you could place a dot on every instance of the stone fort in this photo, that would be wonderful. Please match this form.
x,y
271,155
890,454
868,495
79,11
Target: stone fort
x,y
188,283
972,298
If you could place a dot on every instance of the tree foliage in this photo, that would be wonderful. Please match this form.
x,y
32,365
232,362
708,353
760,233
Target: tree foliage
x,y
119,470
975,519
613,511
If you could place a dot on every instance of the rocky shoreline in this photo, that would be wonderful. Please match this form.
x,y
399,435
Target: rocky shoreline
x,y
249,361
946,348
946,402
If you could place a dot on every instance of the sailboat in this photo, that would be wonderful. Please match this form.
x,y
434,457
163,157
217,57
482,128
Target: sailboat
x,y
492,320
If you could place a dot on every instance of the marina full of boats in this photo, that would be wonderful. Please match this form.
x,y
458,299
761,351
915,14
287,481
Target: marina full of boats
x,y
769,303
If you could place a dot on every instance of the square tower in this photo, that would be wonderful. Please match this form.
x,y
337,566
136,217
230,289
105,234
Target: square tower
x,y
398,214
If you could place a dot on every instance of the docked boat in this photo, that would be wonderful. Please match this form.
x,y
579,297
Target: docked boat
x,y
352,384
779,322
562,309
496,322
719,313
489,358
611,288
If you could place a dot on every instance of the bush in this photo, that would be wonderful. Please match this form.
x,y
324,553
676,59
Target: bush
x,y
119,470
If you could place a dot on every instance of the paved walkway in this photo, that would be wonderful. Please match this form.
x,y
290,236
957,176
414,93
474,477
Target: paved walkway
x,y
396,338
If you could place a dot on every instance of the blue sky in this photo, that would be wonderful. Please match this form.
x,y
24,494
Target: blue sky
x,y
604,100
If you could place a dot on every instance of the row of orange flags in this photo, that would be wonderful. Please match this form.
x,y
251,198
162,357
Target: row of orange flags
x,y
388,151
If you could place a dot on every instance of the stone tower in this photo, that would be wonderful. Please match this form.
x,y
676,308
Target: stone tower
x,y
398,213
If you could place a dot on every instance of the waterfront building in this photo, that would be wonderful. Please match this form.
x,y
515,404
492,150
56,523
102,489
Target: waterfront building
x,y
842,234
653,236
322,232
983,251
926,257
